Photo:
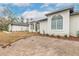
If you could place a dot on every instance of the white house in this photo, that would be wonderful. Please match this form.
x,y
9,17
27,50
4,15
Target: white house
x,y
61,22
18,27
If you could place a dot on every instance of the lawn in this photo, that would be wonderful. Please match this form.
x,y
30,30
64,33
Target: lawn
x,y
6,38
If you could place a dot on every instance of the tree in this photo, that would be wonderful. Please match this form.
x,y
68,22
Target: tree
x,y
22,20
4,22
11,16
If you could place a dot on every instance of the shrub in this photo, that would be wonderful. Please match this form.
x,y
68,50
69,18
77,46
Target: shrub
x,y
65,36
46,35
52,35
58,36
77,33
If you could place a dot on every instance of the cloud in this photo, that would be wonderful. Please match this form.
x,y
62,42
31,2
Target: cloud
x,y
21,4
34,14
3,10
48,6
45,5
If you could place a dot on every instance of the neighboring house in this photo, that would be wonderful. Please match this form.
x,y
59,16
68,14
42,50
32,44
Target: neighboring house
x,y
61,22
18,27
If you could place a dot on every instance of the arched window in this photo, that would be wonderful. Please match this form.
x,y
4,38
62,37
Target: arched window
x,y
57,22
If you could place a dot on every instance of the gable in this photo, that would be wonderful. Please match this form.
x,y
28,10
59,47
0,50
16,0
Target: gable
x,y
65,13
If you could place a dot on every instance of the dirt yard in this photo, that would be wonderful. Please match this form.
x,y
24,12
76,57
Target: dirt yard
x,y
6,38
41,46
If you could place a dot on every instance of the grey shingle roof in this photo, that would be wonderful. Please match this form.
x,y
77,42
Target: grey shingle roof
x,y
44,19
39,19
20,24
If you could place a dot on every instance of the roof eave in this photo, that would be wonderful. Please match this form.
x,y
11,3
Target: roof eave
x,y
57,11
42,20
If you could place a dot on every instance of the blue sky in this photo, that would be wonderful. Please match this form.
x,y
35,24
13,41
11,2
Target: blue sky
x,y
26,8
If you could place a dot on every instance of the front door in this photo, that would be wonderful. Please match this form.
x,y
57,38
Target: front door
x,y
37,27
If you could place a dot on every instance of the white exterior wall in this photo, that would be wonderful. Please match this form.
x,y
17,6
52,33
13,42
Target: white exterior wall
x,y
34,27
9,27
17,28
66,18
43,27
74,25
30,29
38,29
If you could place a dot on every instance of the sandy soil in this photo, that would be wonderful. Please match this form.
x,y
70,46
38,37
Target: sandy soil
x,y
41,46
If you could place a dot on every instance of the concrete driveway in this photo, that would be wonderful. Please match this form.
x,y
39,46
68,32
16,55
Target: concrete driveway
x,y
41,46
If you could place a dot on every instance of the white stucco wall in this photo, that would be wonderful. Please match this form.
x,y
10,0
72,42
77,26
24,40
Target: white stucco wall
x,y
9,27
46,25
31,29
74,25
38,29
66,18
43,27
17,28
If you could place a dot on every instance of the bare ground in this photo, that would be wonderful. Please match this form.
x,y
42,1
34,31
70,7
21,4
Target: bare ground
x,y
41,46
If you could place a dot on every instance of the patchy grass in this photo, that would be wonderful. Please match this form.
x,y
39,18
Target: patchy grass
x,y
6,38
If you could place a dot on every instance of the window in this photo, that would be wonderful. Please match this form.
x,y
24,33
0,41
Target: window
x,y
57,22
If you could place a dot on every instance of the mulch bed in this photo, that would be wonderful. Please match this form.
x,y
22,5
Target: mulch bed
x,y
64,38
73,38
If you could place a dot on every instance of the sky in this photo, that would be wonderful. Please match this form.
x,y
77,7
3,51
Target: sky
x,y
34,9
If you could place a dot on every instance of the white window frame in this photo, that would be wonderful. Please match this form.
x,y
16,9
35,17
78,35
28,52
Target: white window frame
x,y
56,24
